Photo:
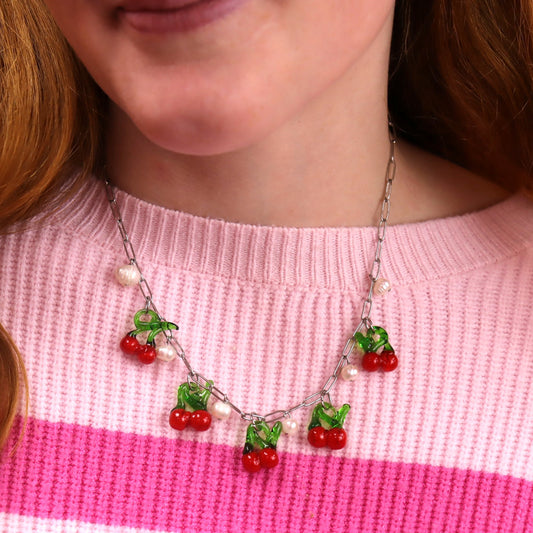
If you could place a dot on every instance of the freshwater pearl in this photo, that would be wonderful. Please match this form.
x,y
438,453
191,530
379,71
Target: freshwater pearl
x,y
220,410
290,426
349,372
382,286
165,353
128,275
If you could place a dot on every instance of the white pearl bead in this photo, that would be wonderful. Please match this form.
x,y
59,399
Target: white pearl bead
x,y
220,410
382,286
128,275
165,353
349,372
290,426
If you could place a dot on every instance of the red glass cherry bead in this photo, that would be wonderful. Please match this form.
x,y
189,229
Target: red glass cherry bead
x,y
251,462
336,438
179,418
371,361
268,458
146,354
201,420
130,345
389,361
317,437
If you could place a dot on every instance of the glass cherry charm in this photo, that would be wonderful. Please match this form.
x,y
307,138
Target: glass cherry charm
x,y
191,408
376,349
148,321
260,446
326,426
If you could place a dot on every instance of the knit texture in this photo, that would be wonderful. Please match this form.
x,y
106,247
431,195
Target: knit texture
x,y
443,444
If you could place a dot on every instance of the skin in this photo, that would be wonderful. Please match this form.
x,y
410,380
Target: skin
x,y
275,114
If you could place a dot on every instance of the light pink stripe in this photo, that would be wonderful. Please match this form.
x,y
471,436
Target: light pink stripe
x,y
73,472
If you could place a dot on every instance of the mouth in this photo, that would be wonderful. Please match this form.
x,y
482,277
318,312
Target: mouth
x,y
157,5
171,16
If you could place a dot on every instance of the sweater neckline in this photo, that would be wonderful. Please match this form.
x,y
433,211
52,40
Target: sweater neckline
x,y
333,258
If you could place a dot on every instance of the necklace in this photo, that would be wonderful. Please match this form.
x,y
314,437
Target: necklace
x,y
198,399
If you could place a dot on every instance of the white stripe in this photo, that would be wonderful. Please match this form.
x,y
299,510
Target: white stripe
x,y
13,523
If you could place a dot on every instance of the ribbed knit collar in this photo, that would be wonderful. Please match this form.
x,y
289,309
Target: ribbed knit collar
x,y
315,257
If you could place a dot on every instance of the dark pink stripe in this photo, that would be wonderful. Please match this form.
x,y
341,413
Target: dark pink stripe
x,y
66,471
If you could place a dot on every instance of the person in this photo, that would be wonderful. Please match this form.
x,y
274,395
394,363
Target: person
x,y
271,169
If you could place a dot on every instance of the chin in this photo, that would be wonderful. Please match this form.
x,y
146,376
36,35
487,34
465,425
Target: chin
x,y
206,134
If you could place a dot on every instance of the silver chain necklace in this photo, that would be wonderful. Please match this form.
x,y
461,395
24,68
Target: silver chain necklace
x,y
199,395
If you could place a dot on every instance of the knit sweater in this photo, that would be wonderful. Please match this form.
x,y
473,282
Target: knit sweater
x,y
444,443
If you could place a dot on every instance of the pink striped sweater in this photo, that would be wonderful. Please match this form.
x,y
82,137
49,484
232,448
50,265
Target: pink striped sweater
x,y
443,444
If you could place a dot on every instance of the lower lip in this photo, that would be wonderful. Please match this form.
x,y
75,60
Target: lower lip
x,y
184,19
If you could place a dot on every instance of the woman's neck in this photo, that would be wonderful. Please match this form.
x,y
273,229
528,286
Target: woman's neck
x,y
281,181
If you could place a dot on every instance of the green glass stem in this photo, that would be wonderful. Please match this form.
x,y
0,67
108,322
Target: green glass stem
x,y
321,415
193,396
368,342
154,325
259,436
